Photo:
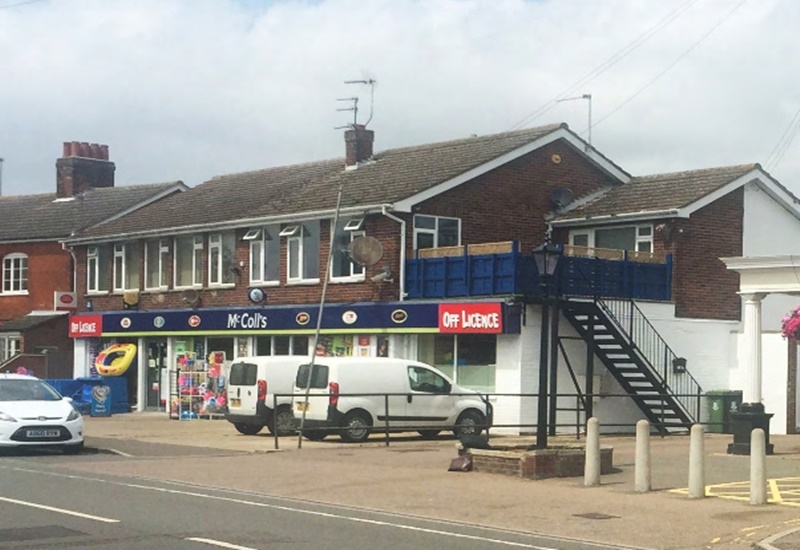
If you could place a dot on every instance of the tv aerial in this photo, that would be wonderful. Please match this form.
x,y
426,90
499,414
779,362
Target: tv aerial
x,y
354,100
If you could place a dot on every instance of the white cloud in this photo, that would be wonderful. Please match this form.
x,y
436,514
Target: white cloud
x,y
188,89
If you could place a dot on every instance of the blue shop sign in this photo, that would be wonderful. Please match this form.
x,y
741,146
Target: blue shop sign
x,y
384,317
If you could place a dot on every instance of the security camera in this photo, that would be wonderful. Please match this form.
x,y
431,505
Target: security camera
x,y
385,276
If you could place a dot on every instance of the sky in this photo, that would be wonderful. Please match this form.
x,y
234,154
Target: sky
x,y
189,89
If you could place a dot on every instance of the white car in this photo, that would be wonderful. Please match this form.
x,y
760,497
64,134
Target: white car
x,y
34,414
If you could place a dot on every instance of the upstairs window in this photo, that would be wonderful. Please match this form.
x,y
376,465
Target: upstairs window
x,y
221,252
302,252
156,264
341,265
635,238
188,261
126,267
97,269
15,274
436,232
265,253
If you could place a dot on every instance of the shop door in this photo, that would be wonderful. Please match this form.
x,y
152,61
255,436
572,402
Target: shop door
x,y
156,374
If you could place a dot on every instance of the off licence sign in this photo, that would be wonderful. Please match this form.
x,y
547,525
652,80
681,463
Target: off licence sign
x,y
481,317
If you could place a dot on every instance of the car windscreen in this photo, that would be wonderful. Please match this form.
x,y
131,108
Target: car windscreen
x,y
319,377
243,374
27,390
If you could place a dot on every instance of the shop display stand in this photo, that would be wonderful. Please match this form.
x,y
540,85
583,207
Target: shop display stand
x,y
193,394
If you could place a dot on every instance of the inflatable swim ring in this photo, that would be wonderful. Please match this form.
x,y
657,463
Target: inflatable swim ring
x,y
115,359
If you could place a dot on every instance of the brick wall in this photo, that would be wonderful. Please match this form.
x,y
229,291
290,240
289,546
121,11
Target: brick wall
x,y
510,203
702,286
49,269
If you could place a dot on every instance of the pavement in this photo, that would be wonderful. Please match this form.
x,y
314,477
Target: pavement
x,y
410,477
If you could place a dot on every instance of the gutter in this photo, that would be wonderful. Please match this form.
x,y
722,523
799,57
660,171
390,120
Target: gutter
x,y
218,226
611,218
402,222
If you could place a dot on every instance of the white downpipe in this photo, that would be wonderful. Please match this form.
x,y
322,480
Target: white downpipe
x,y
402,222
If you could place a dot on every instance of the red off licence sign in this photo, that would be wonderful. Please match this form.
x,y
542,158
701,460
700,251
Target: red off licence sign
x,y
85,326
483,317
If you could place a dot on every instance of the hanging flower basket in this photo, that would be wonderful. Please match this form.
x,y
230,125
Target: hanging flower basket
x,y
790,324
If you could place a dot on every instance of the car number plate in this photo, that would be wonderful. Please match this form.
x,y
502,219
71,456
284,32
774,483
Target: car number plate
x,y
302,406
43,433
236,402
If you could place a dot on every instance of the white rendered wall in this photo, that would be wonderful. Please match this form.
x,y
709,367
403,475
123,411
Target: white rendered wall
x,y
80,358
769,229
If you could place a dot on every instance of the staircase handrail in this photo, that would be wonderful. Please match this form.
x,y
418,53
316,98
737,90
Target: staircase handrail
x,y
645,339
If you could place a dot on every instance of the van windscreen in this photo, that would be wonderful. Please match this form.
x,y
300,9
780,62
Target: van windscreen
x,y
319,377
243,374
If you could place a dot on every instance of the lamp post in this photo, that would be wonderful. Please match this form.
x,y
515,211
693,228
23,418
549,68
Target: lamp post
x,y
546,257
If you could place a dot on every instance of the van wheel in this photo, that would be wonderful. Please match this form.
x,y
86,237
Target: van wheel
x,y
429,434
356,427
315,435
469,423
248,429
283,421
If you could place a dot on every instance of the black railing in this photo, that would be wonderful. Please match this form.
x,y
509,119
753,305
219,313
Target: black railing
x,y
644,339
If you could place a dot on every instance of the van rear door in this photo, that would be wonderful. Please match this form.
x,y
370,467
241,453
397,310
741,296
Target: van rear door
x,y
242,389
314,382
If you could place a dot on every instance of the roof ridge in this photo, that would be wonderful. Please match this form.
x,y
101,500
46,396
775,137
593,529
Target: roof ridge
x,y
749,166
277,167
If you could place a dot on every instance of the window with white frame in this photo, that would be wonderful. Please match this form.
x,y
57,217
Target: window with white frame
x,y
265,252
637,238
15,274
302,252
188,261
126,267
436,231
342,267
156,267
97,269
10,345
221,252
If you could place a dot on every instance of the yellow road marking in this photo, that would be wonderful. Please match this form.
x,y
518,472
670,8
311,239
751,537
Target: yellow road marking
x,y
782,491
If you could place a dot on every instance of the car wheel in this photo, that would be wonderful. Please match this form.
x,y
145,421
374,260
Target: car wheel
x,y
73,449
356,427
429,434
469,423
315,435
283,421
248,429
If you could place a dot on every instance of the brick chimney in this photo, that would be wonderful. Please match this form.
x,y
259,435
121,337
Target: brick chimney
x,y
358,141
83,166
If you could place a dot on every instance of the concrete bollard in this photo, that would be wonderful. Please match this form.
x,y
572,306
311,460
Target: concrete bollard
x,y
642,464
758,467
591,470
697,474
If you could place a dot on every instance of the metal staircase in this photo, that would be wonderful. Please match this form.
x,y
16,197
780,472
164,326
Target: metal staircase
x,y
639,359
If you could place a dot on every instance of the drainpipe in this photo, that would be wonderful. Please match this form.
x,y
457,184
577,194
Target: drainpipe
x,y
71,251
402,222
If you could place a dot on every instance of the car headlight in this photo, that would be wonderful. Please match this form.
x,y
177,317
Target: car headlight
x,y
73,415
6,418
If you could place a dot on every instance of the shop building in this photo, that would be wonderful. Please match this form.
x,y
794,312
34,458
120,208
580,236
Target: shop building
x,y
239,264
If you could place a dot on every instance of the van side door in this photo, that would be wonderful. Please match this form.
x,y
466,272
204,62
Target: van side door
x,y
429,402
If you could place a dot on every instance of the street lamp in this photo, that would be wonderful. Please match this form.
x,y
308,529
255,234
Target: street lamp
x,y
546,257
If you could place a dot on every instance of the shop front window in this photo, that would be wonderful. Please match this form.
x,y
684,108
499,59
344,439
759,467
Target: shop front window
x,y
468,359
282,345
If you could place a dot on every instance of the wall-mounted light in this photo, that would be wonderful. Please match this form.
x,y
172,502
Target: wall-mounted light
x,y
679,364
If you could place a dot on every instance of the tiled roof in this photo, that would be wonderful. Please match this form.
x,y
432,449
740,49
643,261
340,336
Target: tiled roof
x,y
658,192
42,217
27,322
392,175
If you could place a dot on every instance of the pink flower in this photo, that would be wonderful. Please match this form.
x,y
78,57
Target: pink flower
x,y
790,325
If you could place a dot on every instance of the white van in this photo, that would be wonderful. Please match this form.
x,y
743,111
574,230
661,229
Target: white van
x,y
352,394
252,385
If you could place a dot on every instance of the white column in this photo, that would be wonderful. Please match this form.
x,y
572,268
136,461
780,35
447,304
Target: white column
x,y
752,347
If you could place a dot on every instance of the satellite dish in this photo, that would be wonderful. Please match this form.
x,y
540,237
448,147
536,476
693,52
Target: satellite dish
x,y
190,296
561,197
365,251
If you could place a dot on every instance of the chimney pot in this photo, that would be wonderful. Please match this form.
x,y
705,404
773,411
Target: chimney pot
x,y
96,154
104,152
86,151
67,149
75,149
